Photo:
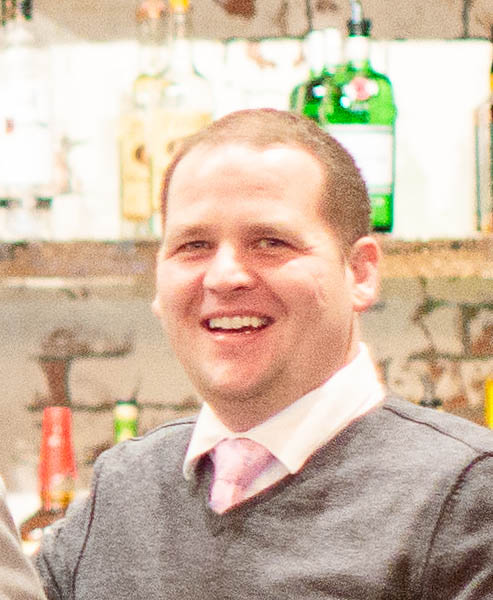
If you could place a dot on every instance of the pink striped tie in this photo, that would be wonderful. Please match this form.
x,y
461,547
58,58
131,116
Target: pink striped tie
x,y
237,462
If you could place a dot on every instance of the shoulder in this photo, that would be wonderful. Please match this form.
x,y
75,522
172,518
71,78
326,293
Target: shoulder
x,y
151,462
436,428
172,438
417,445
446,477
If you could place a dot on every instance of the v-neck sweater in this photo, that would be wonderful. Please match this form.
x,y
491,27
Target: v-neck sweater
x,y
397,506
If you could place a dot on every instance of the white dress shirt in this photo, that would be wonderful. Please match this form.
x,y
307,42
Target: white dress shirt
x,y
296,432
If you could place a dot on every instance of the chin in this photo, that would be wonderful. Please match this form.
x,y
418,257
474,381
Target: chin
x,y
230,390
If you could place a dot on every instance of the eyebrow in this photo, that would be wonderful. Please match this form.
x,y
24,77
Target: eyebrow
x,y
186,232
268,229
255,227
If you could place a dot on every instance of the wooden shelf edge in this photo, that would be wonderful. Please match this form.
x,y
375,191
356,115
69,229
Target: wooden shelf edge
x,y
129,263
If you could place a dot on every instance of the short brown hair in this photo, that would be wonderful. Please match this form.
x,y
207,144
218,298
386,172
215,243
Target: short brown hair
x,y
344,202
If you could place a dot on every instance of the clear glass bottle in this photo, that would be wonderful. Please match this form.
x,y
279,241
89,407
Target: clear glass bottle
x,y
359,110
186,103
322,48
135,121
27,141
484,160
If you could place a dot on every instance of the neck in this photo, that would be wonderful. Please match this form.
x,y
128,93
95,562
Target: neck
x,y
357,50
243,412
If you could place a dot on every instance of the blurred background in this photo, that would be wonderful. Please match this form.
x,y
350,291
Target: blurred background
x,y
81,81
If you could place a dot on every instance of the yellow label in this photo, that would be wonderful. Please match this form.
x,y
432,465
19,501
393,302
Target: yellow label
x,y
126,411
147,89
135,172
169,128
488,402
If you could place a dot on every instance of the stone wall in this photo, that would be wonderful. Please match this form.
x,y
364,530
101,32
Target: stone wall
x,y
225,19
430,338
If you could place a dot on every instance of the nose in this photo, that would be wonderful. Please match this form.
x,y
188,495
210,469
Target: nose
x,y
227,271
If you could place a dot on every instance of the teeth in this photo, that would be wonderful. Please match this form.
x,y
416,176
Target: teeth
x,y
236,322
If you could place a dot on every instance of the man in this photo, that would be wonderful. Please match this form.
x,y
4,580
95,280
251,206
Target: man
x,y
265,266
18,580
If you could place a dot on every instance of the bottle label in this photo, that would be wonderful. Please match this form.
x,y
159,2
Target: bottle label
x,y
26,136
169,127
360,89
26,156
135,169
125,421
372,147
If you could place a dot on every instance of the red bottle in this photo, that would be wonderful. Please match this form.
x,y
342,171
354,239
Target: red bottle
x,y
57,473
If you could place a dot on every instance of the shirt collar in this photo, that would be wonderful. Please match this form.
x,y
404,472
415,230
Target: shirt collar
x,y
296,432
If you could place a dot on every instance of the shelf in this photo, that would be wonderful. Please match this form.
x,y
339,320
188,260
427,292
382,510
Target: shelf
x,y
130,264
78,266
438,258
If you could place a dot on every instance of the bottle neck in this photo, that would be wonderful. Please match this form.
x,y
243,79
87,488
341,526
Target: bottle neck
x,y
17,24
315,53
181,56
151,61
357,50
152,36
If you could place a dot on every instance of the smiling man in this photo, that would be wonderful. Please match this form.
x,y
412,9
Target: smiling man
x,y
300,477
254,290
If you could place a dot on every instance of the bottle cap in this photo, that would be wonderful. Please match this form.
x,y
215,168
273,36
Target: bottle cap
x,y
357,25
179,5
126,401
27,9
150,10
57,467
362,27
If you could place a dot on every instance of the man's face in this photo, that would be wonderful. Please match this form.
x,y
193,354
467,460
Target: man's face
x,y
252,289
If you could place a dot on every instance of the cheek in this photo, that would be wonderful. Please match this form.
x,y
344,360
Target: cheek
x,y
313,284
173,290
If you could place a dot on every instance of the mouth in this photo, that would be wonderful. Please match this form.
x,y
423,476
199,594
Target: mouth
x,y
237,324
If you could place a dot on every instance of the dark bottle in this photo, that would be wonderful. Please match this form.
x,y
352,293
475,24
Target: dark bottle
x,y
435,403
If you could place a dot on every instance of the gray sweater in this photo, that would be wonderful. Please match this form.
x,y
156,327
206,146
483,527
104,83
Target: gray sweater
x,y
398,506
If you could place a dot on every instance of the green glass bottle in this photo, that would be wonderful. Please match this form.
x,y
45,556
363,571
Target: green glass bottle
x,y
322,49
359,110
125,419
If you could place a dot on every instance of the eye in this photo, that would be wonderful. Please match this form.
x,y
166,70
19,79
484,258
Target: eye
x,y
194,246
269,242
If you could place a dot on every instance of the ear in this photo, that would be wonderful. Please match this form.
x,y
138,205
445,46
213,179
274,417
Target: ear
x,y
364,266
155,307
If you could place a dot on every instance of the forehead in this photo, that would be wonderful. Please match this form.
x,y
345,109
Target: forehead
x,y
235,188
208,168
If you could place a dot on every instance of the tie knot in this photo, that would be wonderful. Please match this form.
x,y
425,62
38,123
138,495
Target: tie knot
x,y
237,462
